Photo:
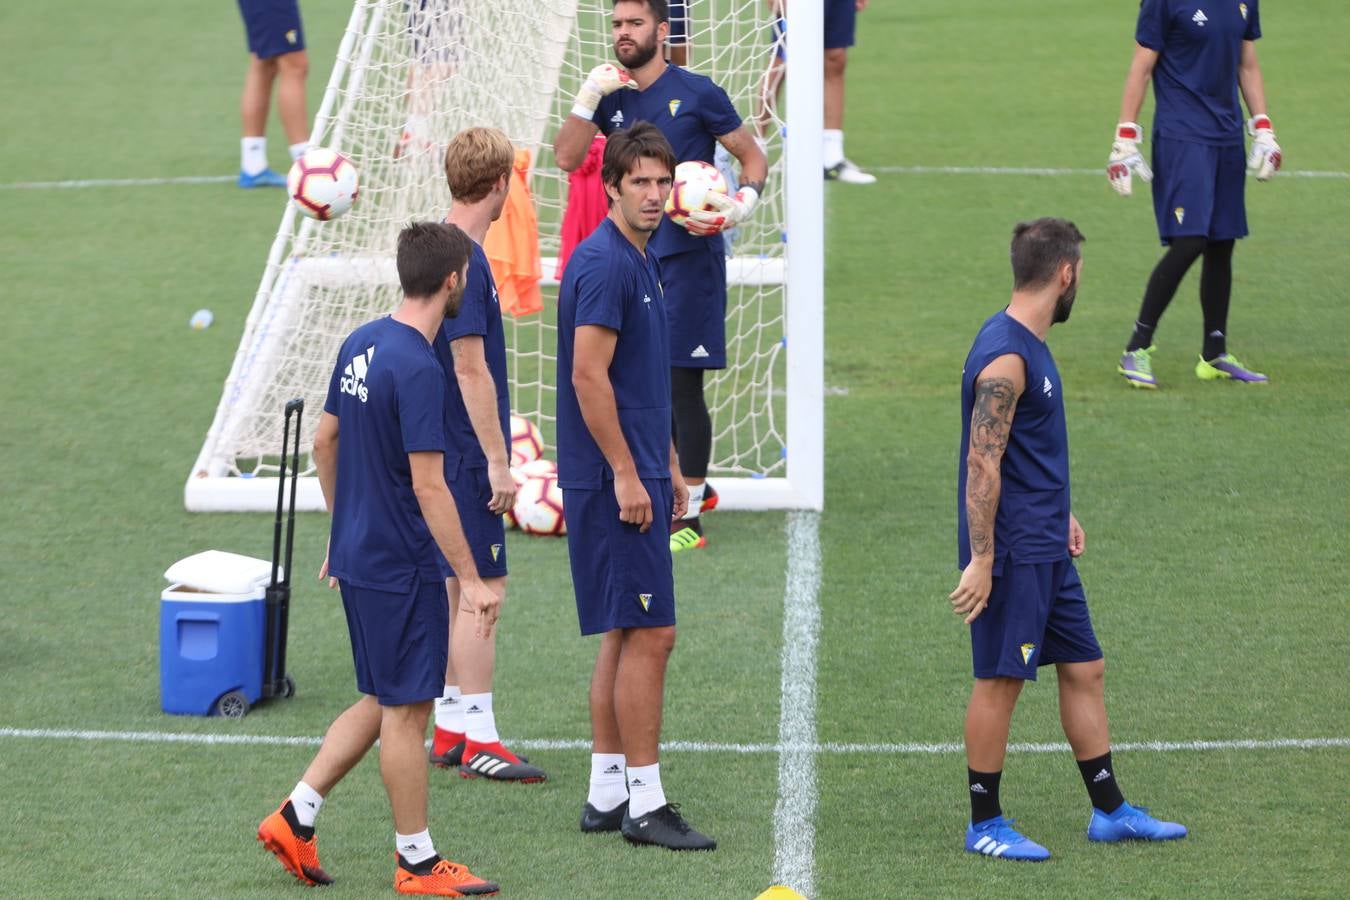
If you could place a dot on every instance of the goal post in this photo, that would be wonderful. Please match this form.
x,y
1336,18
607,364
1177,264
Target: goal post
x,y
408,75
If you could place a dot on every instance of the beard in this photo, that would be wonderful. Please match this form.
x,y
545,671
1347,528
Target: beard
x,y
1064,303
452,301
639,55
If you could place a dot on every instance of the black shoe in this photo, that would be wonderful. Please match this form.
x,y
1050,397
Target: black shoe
x,y
593,821
665,827
493,765
450,759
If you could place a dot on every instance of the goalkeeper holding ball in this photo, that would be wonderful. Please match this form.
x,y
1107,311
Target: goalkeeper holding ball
x,y
695,115
1199,59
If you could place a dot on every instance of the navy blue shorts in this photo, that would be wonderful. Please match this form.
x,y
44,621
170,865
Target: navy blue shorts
x,y
484,530
622,578
679,23
400,641
1037,615
273,27
695,286
1198,190
841,17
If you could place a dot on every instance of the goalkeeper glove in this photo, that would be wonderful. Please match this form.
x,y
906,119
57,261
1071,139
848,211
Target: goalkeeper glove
x,y
604,80
727,212
1265,158
1126,158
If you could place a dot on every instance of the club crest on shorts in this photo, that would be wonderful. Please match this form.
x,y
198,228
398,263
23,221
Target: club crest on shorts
x,y
646,601
1242,8
496,551
1180,214
1027,651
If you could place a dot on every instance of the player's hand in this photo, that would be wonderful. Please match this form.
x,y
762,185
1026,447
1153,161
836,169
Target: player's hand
x,y
681,492
503,488
727,212
482,602
323,569
1125,158
635,504
1077,539
602,81
972,594
1265,158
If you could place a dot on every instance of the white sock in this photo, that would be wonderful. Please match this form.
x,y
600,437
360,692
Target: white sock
x,y
480,726
695,500
414,848
298,150
608,788
252,155
644,790
833,147
306,802
450,710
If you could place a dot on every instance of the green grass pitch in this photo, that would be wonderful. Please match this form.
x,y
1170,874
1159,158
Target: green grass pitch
x,y
1216,516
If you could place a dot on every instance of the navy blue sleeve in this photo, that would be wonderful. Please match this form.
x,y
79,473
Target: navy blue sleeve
x,y
719,115
600,296
1151,29
421,408
472,317
1253,31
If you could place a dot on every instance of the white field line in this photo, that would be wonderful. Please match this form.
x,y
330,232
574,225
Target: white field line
x,y
1024,170
885,170
883,749
794,814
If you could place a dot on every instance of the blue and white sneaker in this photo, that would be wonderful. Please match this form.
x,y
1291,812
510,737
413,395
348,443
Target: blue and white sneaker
x,y
1131,823
265,178
997,837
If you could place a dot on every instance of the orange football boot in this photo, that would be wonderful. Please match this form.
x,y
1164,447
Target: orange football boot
x,y
446,879
299,856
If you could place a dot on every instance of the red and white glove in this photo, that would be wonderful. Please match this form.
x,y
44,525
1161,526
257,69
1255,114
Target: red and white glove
x,y
1125,158
1265,158
727,212
603,80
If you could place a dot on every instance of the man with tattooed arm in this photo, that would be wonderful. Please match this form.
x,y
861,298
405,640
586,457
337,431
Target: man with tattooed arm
x,y
1019,591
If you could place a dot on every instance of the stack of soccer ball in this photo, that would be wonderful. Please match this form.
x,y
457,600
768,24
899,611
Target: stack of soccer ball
x,y
539,500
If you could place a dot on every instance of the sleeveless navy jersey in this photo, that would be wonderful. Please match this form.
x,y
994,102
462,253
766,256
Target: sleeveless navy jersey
x,y
1032,524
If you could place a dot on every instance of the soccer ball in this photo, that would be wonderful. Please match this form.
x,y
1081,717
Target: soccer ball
x,y
539,505
527,443
694,180
322,183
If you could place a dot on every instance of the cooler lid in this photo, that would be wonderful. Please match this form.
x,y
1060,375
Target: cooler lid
x,y
218,572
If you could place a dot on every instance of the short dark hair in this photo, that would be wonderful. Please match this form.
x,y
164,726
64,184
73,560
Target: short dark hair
x,y
625,147
1039,248
660,9
427,253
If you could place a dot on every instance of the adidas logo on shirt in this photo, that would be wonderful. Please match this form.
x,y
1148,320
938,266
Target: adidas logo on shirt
x,y
617,119
1103,775
1200,18
353,379
1048,387
700,352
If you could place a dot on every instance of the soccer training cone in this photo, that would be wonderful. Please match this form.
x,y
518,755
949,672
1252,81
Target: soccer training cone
x,y
778,892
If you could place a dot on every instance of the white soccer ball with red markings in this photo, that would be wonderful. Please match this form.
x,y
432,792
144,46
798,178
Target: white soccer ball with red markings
x,y
694,181
527,442
539,505
322,183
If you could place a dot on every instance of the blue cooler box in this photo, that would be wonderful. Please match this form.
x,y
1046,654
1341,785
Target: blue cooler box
x,y
211,634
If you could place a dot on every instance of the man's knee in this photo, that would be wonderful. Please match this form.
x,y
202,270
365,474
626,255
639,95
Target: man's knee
x,y
653,641
836,60
295,64
1000,691
1083,675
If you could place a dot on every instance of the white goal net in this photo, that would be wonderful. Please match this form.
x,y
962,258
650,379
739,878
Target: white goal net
x,y
410,74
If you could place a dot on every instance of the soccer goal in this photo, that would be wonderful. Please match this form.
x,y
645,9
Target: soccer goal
x,y
409,74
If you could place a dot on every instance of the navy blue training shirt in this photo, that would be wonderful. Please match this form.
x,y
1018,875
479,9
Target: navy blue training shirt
x,y
692,112
609,283
1195,81
479,314
1032,524
388,393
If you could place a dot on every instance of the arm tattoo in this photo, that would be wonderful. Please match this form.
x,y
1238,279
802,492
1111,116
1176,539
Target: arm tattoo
x,y
990,424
